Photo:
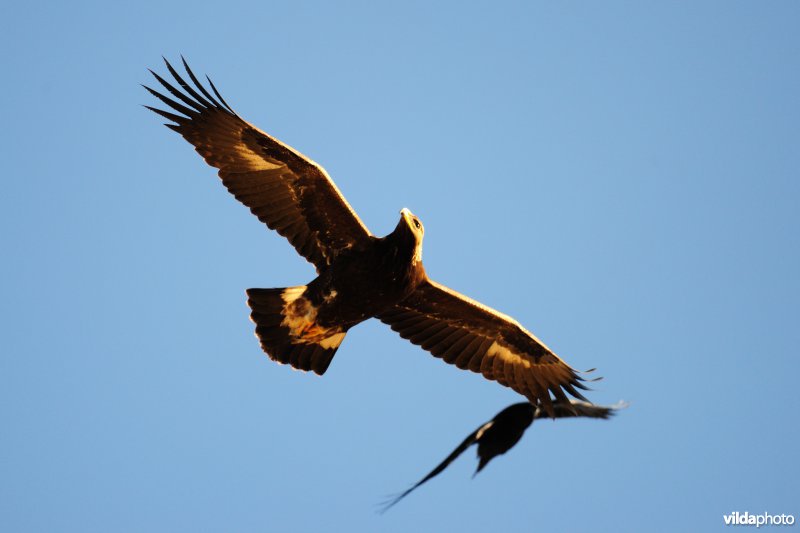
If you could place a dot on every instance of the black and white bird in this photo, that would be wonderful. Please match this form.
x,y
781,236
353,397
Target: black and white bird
x,y
360,276
504,431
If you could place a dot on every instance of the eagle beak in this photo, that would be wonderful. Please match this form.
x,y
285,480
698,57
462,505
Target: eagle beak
x,y
407,216
405,213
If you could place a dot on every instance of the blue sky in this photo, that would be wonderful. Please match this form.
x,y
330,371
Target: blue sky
x,y
621,177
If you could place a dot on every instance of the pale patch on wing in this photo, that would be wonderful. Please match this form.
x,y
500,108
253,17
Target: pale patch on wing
x,y
487,309
483,429
252,161
507,355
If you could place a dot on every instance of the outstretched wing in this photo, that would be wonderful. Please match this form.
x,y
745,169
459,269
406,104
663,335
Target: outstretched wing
x,y
472,336
506,429
576,408
471,439
284,189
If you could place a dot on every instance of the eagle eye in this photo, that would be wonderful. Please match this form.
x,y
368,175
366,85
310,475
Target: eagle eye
x,y
416,223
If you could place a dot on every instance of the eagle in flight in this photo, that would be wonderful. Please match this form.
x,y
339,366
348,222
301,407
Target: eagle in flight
x,y
359,275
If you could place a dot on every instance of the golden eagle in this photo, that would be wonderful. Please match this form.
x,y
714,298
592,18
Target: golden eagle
x,y
360,276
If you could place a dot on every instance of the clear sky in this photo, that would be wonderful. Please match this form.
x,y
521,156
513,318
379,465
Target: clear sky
x,y
621,177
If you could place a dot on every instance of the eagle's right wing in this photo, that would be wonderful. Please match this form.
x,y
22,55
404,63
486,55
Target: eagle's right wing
x,y
472,336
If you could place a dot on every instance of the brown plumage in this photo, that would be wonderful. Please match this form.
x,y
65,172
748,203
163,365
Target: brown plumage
x,y
286,190
359,275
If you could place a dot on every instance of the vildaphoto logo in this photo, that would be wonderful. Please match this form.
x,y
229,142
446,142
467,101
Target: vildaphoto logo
x,y
746,519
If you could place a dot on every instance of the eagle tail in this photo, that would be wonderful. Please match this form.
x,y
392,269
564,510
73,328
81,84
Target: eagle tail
x,y
286,330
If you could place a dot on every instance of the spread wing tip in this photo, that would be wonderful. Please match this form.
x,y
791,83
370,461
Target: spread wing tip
x,y
550,397
221,99
392,500
590,371
167,115
196,83
192,100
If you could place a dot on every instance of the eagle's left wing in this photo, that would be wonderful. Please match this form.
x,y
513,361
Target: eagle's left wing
x,y
472,336
286,190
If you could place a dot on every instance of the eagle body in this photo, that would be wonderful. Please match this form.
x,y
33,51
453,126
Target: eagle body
x,y
304,326
369,279
359,276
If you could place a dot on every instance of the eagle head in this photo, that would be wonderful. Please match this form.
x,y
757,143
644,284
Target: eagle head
x,y
410,223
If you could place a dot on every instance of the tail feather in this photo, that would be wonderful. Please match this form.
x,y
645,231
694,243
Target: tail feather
x,y
286,330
